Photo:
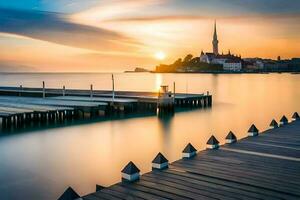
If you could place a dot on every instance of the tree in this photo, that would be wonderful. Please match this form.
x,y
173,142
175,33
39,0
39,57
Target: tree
x,y
187,58
177,63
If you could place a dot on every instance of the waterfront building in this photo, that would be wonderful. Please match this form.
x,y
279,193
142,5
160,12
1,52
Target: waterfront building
x,y
233,65
228,61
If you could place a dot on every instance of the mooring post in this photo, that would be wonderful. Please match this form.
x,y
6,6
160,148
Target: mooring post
x,y
4,123
212,143
189,151
21,88
8,122
64,91
44,92
283,121
91,91
230,138
69,194
160,162
130,172
253,131
295,116
273,124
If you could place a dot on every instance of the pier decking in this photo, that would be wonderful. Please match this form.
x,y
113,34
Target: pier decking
x,y
262,167
202,100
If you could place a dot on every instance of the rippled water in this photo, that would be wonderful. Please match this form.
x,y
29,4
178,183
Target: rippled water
x,y
41,164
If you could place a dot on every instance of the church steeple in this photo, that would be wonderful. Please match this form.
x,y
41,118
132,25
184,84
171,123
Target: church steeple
x,y
215,41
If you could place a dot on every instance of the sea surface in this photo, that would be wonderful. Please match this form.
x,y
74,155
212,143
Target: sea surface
x,y
41,164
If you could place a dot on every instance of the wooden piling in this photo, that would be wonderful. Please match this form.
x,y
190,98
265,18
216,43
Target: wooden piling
x,y
44,90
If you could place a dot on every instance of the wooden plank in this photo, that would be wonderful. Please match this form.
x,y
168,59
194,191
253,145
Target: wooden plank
x,y
194,188
140,194
181,193
267,149
264,175
37,108
241,179
216,185
106,195
51,102
153,191
5,114
94,197
229,157
255,169
95,99
15,110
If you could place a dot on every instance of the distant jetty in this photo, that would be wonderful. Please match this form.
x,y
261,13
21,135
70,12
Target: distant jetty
x,y
22,107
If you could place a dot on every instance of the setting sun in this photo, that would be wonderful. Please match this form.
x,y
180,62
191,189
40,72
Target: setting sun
x,y
160,55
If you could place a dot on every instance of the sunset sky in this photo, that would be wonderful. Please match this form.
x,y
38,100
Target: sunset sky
x,y
118,35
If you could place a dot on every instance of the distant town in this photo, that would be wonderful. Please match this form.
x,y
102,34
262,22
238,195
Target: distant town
x,y
214,62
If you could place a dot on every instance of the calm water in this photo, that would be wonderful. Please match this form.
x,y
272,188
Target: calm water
x,y
41,164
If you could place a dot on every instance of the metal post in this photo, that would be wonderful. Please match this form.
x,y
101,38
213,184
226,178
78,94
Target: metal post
x,y
174,88
91,92
44,92
113,88
21,88
64,90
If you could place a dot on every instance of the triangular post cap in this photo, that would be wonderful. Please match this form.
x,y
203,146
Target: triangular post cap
x,y
284,119
296,116
130,168
253,129
189,149
69,194
212,141
274,123
230,136
159,159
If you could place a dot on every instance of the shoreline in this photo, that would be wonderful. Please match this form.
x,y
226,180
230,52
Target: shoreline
x,y
219,72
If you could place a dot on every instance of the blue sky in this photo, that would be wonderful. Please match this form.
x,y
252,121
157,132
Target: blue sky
x,y
214,7
130,32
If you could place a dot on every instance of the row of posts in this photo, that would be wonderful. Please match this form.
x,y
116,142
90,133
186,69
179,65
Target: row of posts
x,y
131,172
64,89
167,108
33,118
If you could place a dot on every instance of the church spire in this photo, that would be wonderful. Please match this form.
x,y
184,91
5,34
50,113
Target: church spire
x,y
215,41
215,31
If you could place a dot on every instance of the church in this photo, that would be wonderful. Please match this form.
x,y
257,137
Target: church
x,y
229,61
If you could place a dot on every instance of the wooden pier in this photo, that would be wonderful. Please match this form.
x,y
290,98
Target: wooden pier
x,y
266,166
21,106
180,99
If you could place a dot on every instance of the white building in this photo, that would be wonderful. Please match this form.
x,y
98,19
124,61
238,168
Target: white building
x,y
230,62
232,65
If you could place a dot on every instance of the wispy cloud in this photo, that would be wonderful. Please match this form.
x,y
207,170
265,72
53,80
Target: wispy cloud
x,y
57,28
201,17
117,8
